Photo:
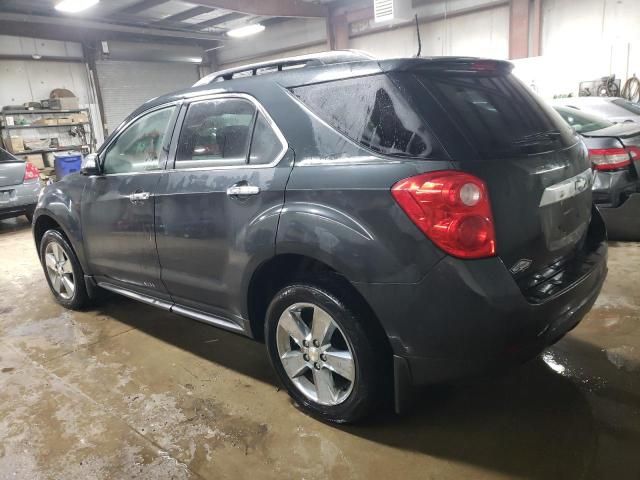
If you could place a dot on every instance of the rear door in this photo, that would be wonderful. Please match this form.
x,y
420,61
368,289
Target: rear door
x,y
218,207
535,166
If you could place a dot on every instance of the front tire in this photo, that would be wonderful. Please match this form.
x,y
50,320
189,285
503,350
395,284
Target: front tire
x,y
331,365
63,271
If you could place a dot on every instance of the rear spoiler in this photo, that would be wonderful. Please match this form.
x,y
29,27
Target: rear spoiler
x,y
446,64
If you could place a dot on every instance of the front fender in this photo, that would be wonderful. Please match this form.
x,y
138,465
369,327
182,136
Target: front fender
x,y
61,202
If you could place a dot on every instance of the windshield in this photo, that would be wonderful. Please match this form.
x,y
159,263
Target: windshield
x,y
627,105
581,121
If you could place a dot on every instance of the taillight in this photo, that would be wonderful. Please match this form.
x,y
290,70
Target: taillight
x,y
609,158
31,172
451,208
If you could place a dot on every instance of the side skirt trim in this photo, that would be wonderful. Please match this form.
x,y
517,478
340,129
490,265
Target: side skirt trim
x,y
172,307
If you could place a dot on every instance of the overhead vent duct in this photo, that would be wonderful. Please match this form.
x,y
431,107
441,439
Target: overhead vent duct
x,y
391,11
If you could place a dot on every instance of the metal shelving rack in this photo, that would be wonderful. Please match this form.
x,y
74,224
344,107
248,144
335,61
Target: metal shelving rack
x,y
10,113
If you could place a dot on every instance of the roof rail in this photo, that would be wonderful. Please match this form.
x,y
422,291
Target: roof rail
x,y
271,66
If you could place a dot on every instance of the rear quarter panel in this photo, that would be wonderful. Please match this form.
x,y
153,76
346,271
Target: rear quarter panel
x,y
343,214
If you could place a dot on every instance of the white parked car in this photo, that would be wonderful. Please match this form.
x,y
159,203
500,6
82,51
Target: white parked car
x,y
614,109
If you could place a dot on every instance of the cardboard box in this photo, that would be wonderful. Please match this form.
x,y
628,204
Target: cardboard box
x,y
44,121
64,103
37,144
79,118
15,143
64,120
36,159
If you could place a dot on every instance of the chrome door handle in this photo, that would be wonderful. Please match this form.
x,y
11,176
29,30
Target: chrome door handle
x,y
139,196
242,190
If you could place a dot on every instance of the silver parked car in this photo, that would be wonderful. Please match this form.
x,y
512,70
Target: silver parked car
x,y
614,109
19,186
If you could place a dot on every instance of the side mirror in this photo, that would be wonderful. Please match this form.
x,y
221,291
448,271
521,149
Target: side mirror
x,y
90,165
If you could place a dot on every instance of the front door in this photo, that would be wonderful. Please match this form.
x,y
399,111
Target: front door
x,y
217,209
118,205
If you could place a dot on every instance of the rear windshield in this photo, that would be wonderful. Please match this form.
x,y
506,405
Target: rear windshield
x,y
582,122
497,114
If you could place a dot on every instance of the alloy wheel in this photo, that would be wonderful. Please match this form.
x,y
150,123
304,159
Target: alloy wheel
x,y
59,270
315,354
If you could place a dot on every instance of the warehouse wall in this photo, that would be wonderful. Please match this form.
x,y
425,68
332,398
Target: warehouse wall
x,y
134,72
32,80
581,40
283,39
125,85
484,33
584,40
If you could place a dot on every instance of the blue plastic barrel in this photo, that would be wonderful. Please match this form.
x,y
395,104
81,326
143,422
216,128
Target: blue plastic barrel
x,y
67,163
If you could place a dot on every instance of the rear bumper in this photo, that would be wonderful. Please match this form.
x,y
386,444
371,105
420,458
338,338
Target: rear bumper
x,y
23,199
623,222
469,317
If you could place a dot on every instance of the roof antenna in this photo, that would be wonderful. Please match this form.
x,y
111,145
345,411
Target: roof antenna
x,y
418,32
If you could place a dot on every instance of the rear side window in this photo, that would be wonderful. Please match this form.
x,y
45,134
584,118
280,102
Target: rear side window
x,y
371,111
265,145
216,133
6,156
227,132
496,113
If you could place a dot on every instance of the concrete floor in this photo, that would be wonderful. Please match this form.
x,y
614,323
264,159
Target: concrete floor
x,y
128,391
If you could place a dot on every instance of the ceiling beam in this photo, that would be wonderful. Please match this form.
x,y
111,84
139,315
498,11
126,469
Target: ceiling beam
x,y
89,29
217,21
141,6
179,17
268,8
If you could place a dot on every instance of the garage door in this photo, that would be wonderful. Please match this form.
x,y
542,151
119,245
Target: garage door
x,y
127,85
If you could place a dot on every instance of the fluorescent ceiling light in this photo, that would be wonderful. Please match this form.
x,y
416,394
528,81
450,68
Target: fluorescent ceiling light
x,y
74,6
246,31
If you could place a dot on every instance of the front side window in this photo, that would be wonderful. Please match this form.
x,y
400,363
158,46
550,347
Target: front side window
x,y
371,111
216,133
139,147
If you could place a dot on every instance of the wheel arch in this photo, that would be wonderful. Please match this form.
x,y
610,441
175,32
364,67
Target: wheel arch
x,y
46,220
281,270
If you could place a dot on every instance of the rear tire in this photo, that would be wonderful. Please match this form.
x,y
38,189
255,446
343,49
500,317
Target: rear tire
x,y
338,376
63,271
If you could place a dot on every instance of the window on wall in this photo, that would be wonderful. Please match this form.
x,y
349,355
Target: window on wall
x,y
140,147
216,133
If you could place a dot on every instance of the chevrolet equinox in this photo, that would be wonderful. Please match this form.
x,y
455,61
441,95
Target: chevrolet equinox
x,y
378,224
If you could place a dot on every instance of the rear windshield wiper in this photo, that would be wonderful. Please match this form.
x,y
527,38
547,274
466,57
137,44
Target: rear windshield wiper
x,y
537,137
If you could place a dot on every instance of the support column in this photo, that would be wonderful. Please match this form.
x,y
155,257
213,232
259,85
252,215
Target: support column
x,y
536,28
338,31
519,29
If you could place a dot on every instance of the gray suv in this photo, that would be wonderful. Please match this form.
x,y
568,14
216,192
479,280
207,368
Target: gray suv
x,y
379,224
